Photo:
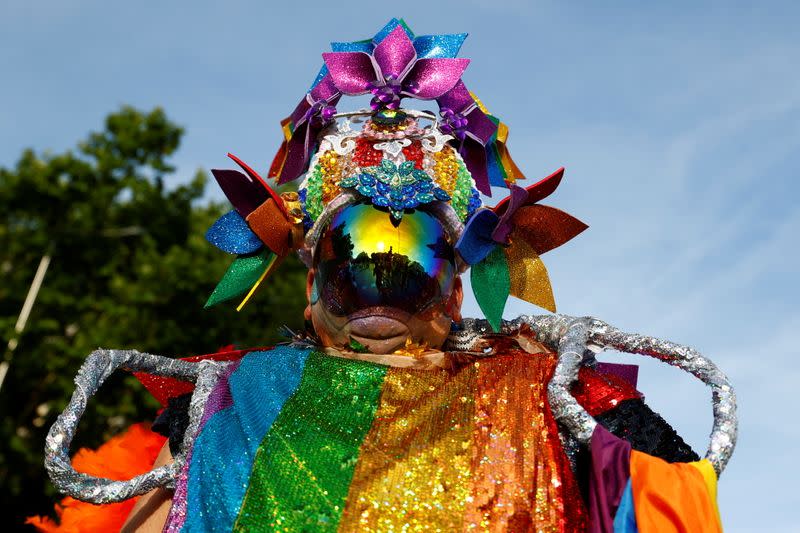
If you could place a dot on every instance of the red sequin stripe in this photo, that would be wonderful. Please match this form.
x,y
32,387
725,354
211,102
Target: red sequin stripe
x,y
599,392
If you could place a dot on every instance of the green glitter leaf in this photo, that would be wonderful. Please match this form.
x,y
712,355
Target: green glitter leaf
x,y
491,283
240,277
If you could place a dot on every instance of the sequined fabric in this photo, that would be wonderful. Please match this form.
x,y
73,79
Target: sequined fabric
x,y
529,279
220,398
224,451
304,465
358,446
599,392
647,431
413,472
521,476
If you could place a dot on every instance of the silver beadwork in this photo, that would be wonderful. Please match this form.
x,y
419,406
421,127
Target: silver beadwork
x,y
97,368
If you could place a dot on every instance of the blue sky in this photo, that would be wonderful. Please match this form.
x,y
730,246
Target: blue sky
x,y
679,126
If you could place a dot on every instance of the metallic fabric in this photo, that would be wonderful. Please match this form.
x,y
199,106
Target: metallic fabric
x,y
224,452
439,45
725,429
491,283
272,226
244,272
521,477
230,233
394,60
413,471
304,465
545,228
218,399
598,391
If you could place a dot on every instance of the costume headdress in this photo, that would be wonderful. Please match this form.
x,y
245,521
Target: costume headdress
x,y
400,160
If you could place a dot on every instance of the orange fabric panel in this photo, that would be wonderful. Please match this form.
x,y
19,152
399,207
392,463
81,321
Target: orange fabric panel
x,y
671,497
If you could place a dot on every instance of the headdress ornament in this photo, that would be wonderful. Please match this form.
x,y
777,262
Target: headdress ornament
x,y
399,160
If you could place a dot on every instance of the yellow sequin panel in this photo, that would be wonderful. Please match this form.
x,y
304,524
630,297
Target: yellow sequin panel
x,y
445,169
517,475
332,171
413,471
529,279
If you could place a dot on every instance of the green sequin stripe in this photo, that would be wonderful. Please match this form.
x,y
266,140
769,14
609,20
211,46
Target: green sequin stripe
x,y
303,468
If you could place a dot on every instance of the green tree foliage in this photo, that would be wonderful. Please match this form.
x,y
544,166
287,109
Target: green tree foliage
x,y
130,269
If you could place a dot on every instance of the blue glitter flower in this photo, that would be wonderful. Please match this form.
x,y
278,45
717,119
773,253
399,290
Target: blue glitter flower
x,y
397,187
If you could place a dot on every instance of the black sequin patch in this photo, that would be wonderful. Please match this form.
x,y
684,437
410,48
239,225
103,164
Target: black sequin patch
x,y
173,421
647,431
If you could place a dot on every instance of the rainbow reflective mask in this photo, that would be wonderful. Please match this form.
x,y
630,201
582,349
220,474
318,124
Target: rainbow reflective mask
x,y
363,260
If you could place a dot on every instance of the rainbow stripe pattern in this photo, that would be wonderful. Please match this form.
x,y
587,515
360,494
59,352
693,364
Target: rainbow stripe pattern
x,y
305,441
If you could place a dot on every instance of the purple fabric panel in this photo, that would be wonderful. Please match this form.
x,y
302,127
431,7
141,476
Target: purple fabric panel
x,y
629,373
474,155
219,399
609,473
480,125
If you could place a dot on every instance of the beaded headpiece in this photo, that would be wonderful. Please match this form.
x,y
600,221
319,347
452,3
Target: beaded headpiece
x,y
397,160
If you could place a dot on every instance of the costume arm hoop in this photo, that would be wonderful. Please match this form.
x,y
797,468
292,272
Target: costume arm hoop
x,y
577,339
97,368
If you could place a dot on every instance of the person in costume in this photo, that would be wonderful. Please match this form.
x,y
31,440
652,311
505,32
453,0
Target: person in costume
x,y
393,412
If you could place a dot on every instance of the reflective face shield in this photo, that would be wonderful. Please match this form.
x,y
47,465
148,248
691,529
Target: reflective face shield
x,y
363,260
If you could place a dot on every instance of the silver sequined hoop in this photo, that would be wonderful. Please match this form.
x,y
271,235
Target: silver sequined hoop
x,y
577,338
98,366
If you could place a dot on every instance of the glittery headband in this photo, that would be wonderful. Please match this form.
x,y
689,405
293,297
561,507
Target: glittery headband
x,y
397,160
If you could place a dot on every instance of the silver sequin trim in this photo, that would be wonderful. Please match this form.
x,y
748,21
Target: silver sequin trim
x,y
98,366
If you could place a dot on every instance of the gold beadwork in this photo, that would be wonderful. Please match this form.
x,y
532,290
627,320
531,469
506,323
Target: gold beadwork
x,y
332,172
445,169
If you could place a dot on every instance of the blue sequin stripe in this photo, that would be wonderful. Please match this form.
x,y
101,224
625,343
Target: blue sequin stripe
x,y
224,451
